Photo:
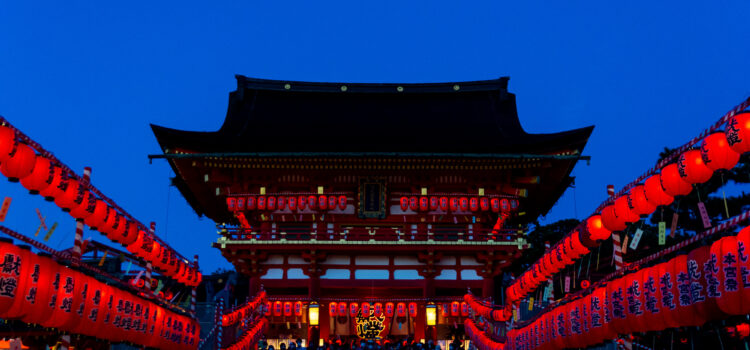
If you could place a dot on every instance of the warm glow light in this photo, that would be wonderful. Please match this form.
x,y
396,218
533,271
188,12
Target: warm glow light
x,y
431,314
313,313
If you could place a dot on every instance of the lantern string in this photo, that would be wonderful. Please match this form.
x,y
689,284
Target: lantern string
x,y
724,194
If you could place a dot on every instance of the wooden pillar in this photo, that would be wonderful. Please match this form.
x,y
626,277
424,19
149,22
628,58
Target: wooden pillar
x,y
428,291
314,287
419,327
325,323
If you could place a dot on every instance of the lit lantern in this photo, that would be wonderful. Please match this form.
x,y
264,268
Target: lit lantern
x,y
7,141
404,201
623,211
651,307
35,300
322,202
41,176
281,203
576,245
297,308
271,203
474,204
495,205
312,202
454,204
16,268
424,204
401,310
655,193
84,205
389,308
672,183
464,309
638,202
353,309
413,203
302,203
514,204
717,154
278,308
484,203
434,203
342,202
431,314
52,190
463,203
596,229
455,309
743,251
691,167
64,316
504,205
332,201
730,283
443,203
88,310
313,313
131,233
616,303
413,309
378,307
365,309
292,203
738,132
101,210
261,203
240,203
267,309
445,310
343,309
20,163
685,312
332,309
667,294
610,220
599,326
633,301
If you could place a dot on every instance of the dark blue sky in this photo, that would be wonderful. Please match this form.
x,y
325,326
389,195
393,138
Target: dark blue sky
x,y
86,79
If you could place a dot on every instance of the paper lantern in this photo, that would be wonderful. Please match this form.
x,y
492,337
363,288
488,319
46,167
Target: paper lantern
x,y
302,203
638,203
655,193
20,162
576,244
413,203
672,183
322,202
231,203
342,202
610,220
312,202
463,203
17,264
464,309
455,309
666,294
332,309
88,309
616,304
691,167
251,203
39,289
596,229
401,310
728,276
378,308
261,203
474,204
454,204
424,204
389,309
271,203
504,205
7,142
267,308
281,203
278,308
332,201
343,309
495,205
599,329
50,192
404,203
651,302
288,308
634,302
84,204
240,203
434,203
353,308
623,211
413,309
743,251
41,176
443,203
738,132
64,316
365,309
291,202
99,214
717,154
685,312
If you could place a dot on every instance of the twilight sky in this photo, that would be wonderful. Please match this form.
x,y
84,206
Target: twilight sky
x,y
86,78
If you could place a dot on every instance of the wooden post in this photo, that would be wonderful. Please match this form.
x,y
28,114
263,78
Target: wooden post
x,y
194,291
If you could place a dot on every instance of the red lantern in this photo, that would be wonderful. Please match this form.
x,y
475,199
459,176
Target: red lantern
x,y
667,294
424,204
445,310
240,203
353,308
261,203
88,310
743,250
365,309
343,309
729,276
332,308
672,183
514,204
638,202
455,309
20,163
596,228
413,203
298,308
474,204
484,203
64,316
52,190
7,142
16,268
280,203
495,205
404,203
271,203
302,203
576,244
685,311
655,193
332,201
463,203
717,154
278,308
412,310
251,203
84,204
738,132
616,304
634,303
36,300
311,202
443,203
464,309
267,308
322,202
292,203
610,220
41,176
504,205
454,204
342,202
434,203
401,310
691,167
101,210
623,211
378,308
389,309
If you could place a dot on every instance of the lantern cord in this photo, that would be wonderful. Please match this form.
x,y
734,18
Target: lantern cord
x,y
724,196
718,335
671,339
598,250
697,192
588,266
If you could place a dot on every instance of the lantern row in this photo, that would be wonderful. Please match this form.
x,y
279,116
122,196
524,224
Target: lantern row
x,y
335,309
292,202
496,314
35,289
55,182
458,204
708,283
233,317
480,340
249,339
718,151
